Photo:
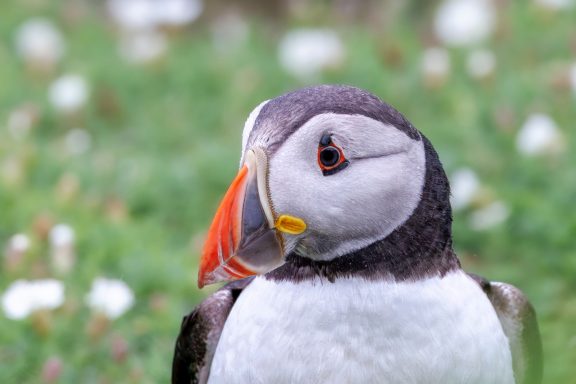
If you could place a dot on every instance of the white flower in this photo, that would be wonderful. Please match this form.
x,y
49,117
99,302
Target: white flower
x,y
464,186
435,65
69,93
62,235
464,22
62,248
149,14
111,297
39,41
304,53
19,243
539,135
133,14
489,216
18,246
436,62
143,47
177,12
481,63
556,5
24,297
78,141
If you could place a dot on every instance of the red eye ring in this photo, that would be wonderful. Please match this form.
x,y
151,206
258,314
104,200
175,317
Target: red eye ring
x,y
331,158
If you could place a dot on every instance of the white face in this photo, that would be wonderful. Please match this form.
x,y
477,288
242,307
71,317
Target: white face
x,y
359,204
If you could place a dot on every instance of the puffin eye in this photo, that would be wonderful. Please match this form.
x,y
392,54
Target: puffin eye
x,y
330,156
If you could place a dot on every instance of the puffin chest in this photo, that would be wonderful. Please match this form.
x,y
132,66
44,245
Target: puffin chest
x,y
438,330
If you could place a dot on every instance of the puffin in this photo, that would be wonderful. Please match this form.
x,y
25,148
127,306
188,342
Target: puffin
x,y
335,240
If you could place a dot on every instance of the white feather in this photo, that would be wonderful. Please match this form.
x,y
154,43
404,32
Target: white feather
x,y
248,125
438,330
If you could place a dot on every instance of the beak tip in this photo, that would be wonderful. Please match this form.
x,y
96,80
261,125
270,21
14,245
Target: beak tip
x,y
207,277
204,276
201,281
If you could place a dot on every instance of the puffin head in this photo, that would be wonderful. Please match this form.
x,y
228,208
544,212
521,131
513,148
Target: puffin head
x,y
332,182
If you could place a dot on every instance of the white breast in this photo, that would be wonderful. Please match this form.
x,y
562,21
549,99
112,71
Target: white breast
x,y
439,330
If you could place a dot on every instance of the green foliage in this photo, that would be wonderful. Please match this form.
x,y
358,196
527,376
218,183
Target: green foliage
x,y
165,144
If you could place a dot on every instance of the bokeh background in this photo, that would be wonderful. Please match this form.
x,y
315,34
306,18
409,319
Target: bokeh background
x,y
120,126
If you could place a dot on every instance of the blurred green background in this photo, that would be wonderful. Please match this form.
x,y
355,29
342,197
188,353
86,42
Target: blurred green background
x,y
120,129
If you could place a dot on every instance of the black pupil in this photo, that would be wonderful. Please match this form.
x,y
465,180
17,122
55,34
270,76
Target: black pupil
x,y
329,156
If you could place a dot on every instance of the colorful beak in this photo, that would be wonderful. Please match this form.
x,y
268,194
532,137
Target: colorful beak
x,y
244,237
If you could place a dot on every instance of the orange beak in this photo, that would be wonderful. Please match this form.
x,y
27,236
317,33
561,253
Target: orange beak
x,y
243,239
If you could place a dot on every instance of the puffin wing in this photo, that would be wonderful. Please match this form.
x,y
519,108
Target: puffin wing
x,y
518,320
199,335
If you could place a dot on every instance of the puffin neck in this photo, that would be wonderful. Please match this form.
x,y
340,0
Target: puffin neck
x,y
419,248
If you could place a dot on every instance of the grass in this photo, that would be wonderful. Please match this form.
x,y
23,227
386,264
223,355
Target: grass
x,y
166,141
